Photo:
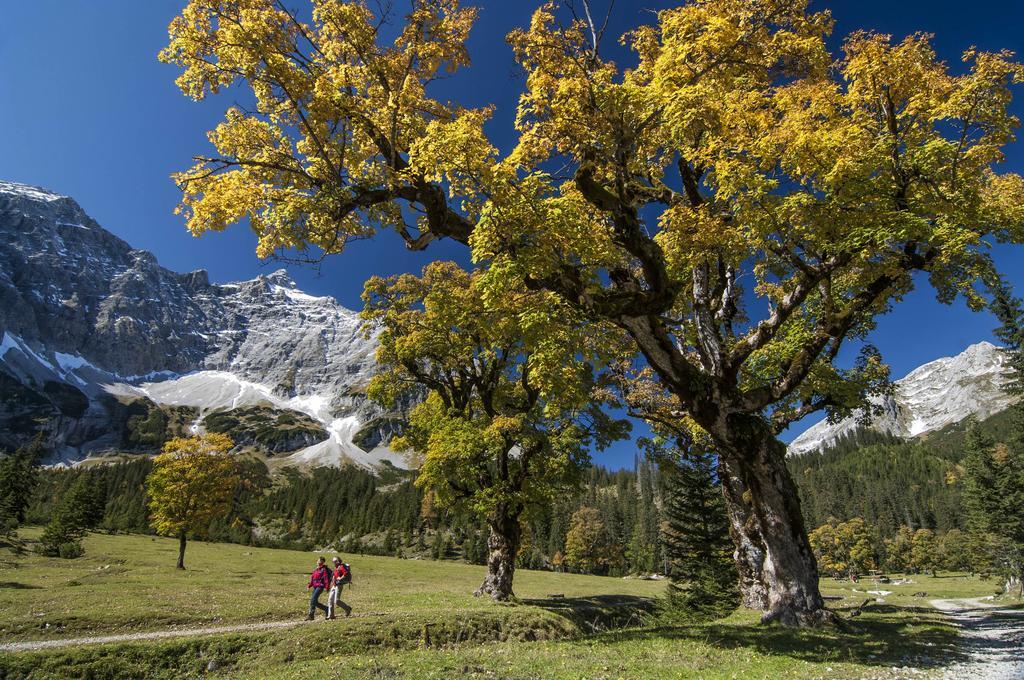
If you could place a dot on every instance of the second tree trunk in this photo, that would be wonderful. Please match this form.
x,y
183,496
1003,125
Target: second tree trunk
x,y
748,545
502,546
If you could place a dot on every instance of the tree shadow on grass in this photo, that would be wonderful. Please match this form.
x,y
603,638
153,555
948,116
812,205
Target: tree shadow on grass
x,y
592,601
883,636
599,612
15,585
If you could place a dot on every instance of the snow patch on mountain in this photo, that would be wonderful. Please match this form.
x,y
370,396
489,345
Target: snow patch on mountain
x,y
339,449
220,390
932,396
34,193
13,342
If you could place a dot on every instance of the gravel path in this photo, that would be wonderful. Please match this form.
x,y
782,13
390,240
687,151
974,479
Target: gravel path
x,y
992,639
35,645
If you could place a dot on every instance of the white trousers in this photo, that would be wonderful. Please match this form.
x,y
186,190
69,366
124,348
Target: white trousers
x,y
333,599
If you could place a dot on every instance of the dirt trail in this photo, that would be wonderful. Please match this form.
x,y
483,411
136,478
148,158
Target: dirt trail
x,y
991,637
35,645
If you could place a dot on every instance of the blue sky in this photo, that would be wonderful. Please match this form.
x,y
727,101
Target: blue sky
x,y
89,112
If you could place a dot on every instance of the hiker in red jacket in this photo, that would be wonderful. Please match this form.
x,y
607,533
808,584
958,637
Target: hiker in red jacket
x,y
341,577
319,581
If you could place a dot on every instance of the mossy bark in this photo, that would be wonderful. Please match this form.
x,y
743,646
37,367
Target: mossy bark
x,y
502,546
770,507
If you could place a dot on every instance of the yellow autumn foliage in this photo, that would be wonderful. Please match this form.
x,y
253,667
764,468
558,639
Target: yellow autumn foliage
x,y
192,482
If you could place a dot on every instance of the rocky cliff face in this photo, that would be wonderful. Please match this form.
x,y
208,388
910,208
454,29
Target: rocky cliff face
x,y
86,320
934,395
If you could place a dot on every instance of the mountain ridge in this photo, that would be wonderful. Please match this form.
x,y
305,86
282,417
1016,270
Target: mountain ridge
x,y
86,318
933,395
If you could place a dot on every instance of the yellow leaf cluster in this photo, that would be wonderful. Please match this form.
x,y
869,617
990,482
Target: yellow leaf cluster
x,y
304,164
510,384
192,482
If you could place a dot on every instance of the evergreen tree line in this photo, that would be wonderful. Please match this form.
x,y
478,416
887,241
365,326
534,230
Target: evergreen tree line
x,y
18,478
890,483
617,524
357,511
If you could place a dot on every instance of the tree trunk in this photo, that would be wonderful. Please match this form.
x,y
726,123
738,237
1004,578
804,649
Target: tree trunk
x,y
746,538
790,572
502,546
181,550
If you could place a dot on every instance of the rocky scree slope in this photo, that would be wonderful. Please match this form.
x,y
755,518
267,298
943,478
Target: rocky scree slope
x,y
94,333
932,396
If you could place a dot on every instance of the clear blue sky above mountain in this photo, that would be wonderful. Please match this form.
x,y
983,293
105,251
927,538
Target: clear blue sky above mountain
x,y
89,112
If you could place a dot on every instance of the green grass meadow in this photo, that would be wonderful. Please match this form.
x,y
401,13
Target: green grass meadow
x,y
419,619
128,583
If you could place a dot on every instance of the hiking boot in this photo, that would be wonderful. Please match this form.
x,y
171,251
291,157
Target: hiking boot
x,y
309,618
331,617
348,611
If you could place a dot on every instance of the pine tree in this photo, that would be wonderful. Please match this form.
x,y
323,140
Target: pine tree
x,y
980,481
996,474
640,552
695,533
442,545
80,508
643,549
390,542
18,478
1008,310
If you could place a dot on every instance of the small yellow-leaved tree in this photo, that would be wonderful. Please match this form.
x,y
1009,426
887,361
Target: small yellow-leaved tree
x,y
192,482
587,545
843,548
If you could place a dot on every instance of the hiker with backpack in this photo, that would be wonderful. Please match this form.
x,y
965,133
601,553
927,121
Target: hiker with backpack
x,y
342,575
319,581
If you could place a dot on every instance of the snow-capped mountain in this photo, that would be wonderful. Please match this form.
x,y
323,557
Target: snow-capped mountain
x,y
933,395
87,323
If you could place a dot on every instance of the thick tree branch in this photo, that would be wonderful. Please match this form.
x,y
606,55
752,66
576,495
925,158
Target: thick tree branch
x,y
782,419
659,290
765,331
834,327
665,358
709,340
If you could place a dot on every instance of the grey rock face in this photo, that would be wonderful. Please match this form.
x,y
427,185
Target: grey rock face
x,y
83,312
933,395
75,288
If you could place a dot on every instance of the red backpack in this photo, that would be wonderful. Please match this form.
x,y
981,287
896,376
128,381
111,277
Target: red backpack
x,y
346,574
